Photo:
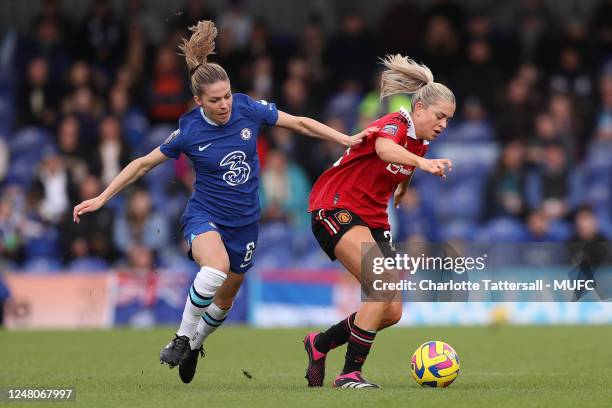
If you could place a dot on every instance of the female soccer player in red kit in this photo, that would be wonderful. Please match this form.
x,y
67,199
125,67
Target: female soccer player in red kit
x,y
348,204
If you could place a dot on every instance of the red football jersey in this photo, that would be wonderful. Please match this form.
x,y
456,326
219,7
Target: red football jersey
x,y
360,181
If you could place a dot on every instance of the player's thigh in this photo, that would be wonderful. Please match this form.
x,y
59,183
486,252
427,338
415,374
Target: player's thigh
x,y
348,251
227,292
208,249
348,248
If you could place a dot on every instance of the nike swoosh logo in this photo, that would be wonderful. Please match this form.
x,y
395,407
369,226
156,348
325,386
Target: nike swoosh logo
x,y
245,265
203,147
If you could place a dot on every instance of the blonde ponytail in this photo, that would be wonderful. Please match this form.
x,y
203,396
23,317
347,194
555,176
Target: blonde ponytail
x,y
404,75
196,50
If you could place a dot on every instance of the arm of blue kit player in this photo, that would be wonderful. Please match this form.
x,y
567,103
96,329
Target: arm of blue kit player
x,y
390,152
313,128
132,172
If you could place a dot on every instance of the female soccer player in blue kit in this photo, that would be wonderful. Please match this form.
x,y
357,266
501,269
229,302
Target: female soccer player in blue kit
x,y
220,222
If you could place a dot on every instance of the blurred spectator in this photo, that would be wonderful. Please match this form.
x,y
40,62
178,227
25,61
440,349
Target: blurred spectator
x,y
10,228
534,25
111,155
262,79
505,189
57,188
52,10
168,93
140,224
473,125
37,96
138,53
571,75
140,259
70,148
344,103
45,42
40,237
152,27
547,133
515,112
442,47
350,53
586,226
4,159
5,294
80,75
134,123
479,75
604,112
311,48
87,108
234,59
284,192
554,186
401,28
92,236
102,38
566,116
238,22
538,227
601,26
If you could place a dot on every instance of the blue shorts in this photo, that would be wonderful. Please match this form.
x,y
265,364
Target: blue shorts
x,y
240,242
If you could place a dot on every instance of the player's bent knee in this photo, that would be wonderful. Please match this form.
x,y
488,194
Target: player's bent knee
x,y
393,314
220,262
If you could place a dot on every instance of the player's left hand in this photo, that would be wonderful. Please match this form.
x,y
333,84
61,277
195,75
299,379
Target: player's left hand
x,y
356,139
398,195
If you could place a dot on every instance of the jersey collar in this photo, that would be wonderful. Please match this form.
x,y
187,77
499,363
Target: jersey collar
x,y
410,128
210,122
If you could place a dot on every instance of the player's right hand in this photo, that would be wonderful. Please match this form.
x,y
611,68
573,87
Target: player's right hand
x,y
85,207
351,141
437,167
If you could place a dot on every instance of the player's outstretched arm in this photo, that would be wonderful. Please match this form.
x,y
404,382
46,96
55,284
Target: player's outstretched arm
x,y
391,152
313,128
132,172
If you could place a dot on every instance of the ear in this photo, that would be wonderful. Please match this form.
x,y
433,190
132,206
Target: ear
x,y
197,100
417,107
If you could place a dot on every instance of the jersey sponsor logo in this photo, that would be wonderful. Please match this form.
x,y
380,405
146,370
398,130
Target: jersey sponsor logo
x,y
202,148
239,171
172,136
396,168
343,217
245,134
390,129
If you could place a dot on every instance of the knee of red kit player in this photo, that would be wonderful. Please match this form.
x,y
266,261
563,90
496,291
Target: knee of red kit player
x,y
393,313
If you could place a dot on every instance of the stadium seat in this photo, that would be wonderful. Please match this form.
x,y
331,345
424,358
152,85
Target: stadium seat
x,y
29,141
157,135
88,264
502,229
41,265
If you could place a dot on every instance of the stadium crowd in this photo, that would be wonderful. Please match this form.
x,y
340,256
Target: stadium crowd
x,y
531,140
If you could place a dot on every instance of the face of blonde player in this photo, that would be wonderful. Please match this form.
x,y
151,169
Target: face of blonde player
x,y
216,100
431,121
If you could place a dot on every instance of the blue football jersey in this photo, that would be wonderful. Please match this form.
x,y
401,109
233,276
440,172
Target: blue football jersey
x,y
224,159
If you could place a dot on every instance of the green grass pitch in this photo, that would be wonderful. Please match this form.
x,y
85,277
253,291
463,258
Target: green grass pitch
x,y
500,367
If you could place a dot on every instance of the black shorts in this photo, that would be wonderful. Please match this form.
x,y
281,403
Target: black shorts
x,y
328,226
